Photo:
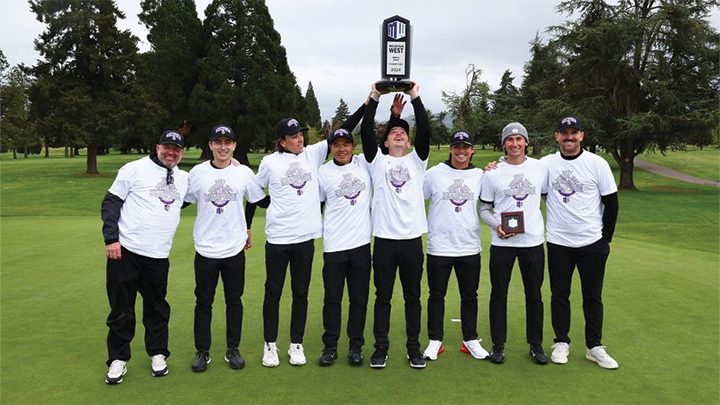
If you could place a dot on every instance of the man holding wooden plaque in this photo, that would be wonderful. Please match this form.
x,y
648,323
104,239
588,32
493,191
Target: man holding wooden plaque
x,y
513,192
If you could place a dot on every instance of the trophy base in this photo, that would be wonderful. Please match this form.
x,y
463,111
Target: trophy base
x,y
394,85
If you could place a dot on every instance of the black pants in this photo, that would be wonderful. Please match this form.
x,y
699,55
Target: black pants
x,y
467,271
277,257
388,256
532,266
590,261
125,278
353,265
207,272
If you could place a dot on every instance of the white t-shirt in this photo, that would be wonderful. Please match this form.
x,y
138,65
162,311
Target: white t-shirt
x,y
220,230
150,213
517,188
398,206
294,212
453,226
347,192
574,209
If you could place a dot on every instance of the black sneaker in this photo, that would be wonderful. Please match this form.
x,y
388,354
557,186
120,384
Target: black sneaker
x,y
328,357
355,356
417,360
497,355
379,358
202,359
537,354
233,357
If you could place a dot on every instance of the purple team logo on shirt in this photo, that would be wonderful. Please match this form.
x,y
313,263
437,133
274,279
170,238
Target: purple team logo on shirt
x,y
220,195
296,177
166,193
398,176
519,189
350,188
458,194
567,185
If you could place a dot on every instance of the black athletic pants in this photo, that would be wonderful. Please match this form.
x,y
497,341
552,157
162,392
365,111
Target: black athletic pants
x,y
532,267
353,265
277,257
125,278
388,256
590,261
207,273
467,271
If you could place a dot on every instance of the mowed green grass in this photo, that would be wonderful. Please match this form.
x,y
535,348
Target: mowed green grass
x,y
662,312
704,163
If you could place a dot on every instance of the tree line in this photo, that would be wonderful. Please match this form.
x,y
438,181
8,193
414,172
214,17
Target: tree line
x,y
641,75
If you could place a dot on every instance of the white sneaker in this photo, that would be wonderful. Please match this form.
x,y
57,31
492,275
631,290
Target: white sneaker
x,y
270,355
600,356
116,372
159,365
297,354
434,348
475,349
560,353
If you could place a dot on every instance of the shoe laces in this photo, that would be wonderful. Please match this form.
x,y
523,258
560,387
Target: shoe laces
x,y
599,352
116,367
202,354
158,360
233,352
562,346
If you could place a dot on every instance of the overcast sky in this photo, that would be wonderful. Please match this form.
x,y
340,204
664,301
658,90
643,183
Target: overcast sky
x,y
336,44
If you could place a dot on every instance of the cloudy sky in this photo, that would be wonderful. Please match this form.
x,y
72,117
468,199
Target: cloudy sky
x,y
336,44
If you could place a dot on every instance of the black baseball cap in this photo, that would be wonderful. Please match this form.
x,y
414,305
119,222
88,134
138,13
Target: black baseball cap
x,y
172,137
462,137
220,131
569,122
288,126
341,133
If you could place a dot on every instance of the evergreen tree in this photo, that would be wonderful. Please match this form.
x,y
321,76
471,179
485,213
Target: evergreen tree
x,y
312,109
17,133
342,112
169,70
506,108
244,78
86,70
641,75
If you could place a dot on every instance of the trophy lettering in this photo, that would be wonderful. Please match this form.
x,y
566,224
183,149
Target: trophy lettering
x,y
396,41
513,222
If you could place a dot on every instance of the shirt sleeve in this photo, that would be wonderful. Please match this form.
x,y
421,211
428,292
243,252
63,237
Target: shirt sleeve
x,y
254,192
190,197
606,181
427,189
318,152
123,182
321,186
263,174
487,194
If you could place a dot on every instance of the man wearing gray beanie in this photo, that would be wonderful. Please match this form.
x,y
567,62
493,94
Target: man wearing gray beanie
x,y
516,185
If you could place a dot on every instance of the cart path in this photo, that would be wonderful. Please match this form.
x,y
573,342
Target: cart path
x,y
668,172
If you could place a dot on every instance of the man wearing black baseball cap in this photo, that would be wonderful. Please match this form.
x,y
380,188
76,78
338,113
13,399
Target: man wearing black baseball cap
x,y
140,214
398,219
453,241
582,209
220,236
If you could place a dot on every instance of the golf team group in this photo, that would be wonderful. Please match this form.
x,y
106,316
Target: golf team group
x,y
378,194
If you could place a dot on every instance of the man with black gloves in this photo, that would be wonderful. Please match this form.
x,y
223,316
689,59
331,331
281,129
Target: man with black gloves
x,y
398,220
220,236
582,208
140,214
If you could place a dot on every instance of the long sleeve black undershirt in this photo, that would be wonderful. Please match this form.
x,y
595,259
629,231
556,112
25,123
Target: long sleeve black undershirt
x,y
422,134
250,209
110,214
610,215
